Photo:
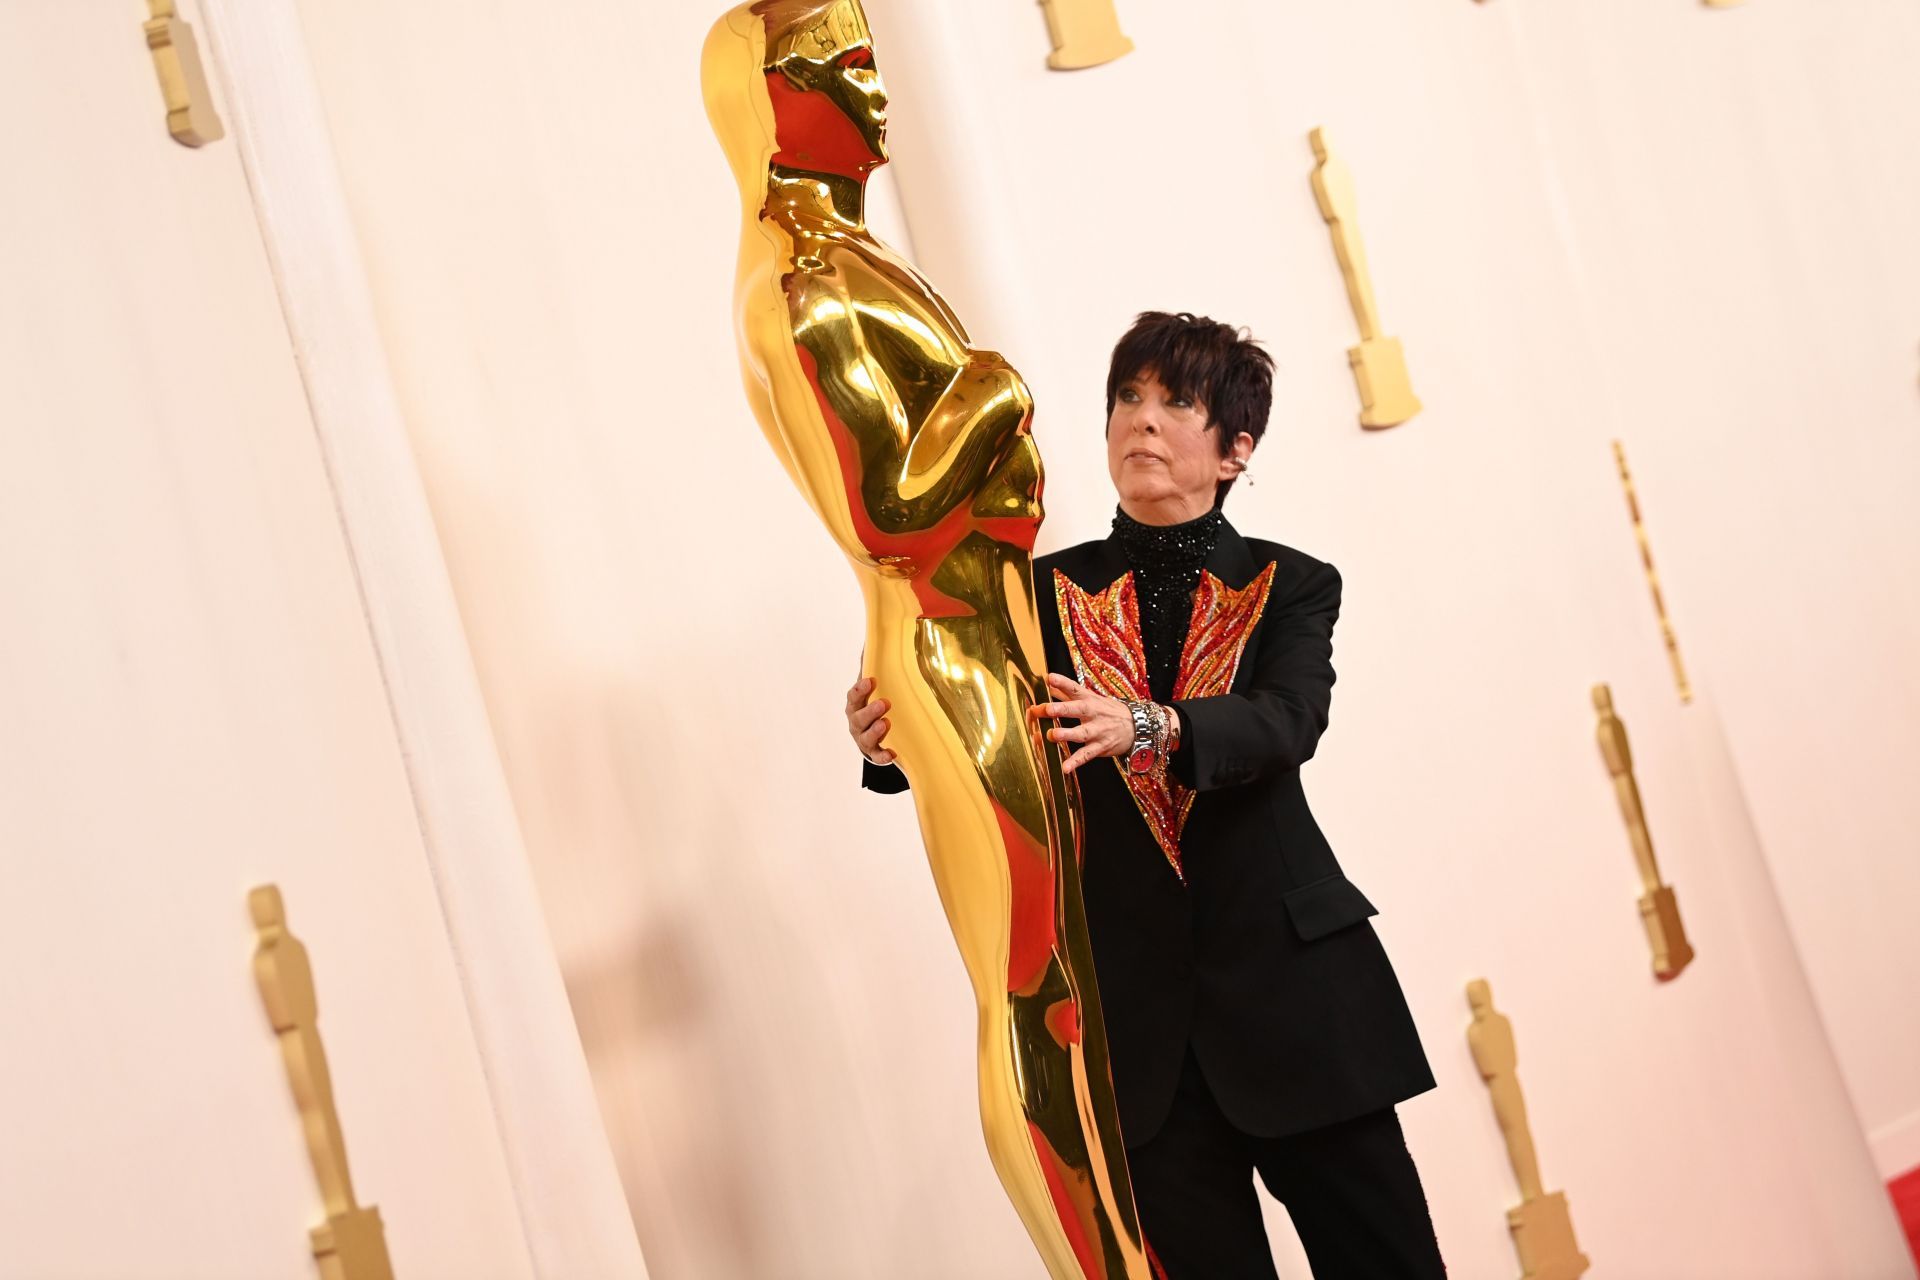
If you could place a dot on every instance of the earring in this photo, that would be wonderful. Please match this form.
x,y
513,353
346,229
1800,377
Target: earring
x,y
1246,472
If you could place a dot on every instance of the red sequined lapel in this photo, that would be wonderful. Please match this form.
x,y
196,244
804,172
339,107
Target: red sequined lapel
x,y
1103,635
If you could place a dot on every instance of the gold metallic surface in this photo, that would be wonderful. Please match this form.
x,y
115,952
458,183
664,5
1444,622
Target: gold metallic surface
x,y
1659,909
1653,578
183,79
1541,1224
1085,33
1379,365
915,450
351,1243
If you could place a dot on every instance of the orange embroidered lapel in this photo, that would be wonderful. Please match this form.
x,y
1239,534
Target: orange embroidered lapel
x,y
1103,635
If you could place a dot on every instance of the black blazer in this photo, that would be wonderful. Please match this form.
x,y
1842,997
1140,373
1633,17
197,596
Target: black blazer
x,y
1263,959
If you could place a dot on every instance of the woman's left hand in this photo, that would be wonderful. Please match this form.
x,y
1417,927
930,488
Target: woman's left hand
x,y
1105,728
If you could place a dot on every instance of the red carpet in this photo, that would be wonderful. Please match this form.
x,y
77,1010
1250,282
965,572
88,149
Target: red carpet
x,y
1906,1202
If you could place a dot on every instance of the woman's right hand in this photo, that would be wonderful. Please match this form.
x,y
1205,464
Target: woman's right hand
x,y
866,721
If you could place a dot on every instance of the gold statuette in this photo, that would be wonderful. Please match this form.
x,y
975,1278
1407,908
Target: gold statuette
x,y
1653,578
1085,33
1541,1224
915,450
183,79
1379,365
1659,909
351,1244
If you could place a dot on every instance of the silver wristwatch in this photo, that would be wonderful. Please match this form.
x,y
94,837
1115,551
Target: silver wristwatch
x,y
1145,751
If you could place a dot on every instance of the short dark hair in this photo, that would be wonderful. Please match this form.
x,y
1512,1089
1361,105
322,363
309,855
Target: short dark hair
x,y
1215,365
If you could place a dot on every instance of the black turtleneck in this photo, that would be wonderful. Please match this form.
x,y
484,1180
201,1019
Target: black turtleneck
x,y
1166,561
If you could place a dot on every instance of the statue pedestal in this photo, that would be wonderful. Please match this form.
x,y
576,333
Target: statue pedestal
x,y
1660,912
1543,1237
352,1246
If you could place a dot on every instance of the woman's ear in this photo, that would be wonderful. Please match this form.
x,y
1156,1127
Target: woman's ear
x,y
1237,457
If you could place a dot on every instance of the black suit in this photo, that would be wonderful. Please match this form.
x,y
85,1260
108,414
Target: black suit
x,y
1262,965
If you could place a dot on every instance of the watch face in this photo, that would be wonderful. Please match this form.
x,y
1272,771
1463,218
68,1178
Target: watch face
x,y
1141,760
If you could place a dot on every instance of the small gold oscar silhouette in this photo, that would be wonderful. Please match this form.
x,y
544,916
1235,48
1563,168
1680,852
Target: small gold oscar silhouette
x,y
191,117
1653,575
1379,365
351,1244
1541,1224
1085,33
1659,909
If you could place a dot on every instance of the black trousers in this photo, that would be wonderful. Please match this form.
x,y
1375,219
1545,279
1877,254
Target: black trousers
x,y
1350,1188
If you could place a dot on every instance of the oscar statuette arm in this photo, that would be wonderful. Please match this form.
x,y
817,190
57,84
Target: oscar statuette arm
x,y
926,418
1275,725
856,355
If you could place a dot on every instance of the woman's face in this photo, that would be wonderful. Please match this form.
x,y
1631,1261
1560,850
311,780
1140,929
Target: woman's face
x,y
1163,455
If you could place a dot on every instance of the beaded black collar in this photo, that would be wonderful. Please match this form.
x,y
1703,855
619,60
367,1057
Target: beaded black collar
x,y
1166,561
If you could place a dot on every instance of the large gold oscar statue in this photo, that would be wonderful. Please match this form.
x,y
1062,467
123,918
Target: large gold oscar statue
x,y
914,449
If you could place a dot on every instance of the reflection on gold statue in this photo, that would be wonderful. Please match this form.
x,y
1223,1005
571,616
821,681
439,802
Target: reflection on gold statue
x,y
1379,365
1085,33
1541,1224
1659,909
914,450
351,1244
1653,578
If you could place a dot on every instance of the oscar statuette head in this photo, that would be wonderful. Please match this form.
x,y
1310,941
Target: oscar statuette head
x,y
804,69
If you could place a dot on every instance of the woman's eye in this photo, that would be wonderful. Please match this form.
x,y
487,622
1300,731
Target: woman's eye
x,y
1181,402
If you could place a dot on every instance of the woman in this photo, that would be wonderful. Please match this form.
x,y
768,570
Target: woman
x,y
1254,1022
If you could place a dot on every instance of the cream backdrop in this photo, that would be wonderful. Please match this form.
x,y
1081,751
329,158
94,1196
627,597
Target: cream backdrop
x,y
192,705
1744,246
1656,222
